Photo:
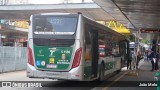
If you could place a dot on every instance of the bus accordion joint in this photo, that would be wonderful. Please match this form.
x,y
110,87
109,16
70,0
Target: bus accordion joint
x,y
77,58
30,56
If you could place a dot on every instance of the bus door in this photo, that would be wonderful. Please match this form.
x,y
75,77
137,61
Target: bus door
x,y
91,53
124,47
94,52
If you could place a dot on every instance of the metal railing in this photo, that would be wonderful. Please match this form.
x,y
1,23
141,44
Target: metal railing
x,y
13,58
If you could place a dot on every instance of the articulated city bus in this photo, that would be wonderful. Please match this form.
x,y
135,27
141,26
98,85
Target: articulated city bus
x,y
73,47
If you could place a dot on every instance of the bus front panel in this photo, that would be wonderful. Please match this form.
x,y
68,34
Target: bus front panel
x,y
54,41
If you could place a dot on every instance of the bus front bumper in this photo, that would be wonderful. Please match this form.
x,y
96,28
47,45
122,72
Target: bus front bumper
x,y
73,74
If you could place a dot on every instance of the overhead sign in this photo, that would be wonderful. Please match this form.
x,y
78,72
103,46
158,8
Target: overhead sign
x,y
21,24
149,30
116,26
133,44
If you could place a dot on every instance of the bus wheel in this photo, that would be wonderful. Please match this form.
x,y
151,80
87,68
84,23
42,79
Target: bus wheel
x,y
101,73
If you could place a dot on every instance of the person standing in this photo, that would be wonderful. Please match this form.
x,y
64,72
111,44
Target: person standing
x,y
157,59
129,60
146,56
152,57
139,57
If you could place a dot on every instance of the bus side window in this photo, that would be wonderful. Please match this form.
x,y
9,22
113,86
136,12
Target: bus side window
x,y
115,49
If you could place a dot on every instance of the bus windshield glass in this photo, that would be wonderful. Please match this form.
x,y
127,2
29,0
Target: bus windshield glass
x,y
55,25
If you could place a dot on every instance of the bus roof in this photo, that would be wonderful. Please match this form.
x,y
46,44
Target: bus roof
x,y
56,14
101,26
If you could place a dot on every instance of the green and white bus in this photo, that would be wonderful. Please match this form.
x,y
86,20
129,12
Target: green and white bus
x,y
73,47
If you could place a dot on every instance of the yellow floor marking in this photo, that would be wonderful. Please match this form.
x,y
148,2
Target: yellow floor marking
x,y
105,88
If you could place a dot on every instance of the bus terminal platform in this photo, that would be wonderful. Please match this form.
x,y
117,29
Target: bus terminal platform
x,y
138,79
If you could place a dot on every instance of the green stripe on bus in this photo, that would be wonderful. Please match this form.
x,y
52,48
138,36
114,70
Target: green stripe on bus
x,y
52,58
110,65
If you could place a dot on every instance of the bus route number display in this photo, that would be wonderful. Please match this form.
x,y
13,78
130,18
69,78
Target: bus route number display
x,y
55,21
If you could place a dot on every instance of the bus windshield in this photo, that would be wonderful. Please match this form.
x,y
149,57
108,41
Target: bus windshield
x,y
54,30
55,25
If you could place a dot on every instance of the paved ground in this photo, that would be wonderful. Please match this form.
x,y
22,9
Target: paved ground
x,y
142,74
18,76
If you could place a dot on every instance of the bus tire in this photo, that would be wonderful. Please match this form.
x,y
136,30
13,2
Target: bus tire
x,y
101,73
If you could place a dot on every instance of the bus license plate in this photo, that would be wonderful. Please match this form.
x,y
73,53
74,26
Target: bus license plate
x,y
52,74
51,66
